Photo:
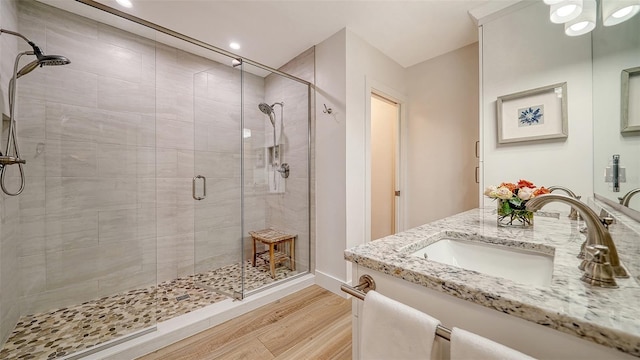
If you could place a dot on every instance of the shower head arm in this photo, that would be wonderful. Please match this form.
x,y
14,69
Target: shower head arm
x,y
16,34
36,50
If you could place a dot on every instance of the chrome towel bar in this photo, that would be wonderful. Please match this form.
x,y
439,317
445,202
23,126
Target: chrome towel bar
x,y
366,283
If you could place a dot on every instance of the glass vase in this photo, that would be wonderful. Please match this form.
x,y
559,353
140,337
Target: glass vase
x,y
512,216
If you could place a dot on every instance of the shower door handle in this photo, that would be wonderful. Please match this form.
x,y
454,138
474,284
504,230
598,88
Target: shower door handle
x,y
204,187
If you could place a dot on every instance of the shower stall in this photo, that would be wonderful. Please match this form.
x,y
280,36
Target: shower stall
x,y
149,159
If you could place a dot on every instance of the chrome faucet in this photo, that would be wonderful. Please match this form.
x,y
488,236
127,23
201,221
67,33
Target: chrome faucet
x,y
624,201
573,214
597,233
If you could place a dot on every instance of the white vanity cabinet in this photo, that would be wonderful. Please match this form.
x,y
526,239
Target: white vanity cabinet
x,y
525,336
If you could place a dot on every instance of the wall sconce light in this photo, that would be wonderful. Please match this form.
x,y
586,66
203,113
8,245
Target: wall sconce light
x,y
585,22
615,12
565,10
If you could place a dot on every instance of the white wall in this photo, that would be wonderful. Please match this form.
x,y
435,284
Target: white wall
x,y
367,68
524,50
330,166
441,135
345,66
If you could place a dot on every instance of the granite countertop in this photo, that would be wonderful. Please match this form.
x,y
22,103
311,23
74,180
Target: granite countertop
x,y
608,317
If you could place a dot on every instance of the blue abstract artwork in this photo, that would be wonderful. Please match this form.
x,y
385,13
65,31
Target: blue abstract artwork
x,y
532,115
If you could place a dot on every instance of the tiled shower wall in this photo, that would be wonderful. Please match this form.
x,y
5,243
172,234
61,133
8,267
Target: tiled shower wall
x,y
88,131
9,216
109,141
111,152
288,210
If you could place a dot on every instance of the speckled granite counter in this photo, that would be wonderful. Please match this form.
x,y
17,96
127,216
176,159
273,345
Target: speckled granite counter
x,y
609,317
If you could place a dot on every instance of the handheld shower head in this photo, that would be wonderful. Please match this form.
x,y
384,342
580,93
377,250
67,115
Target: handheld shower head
x,y
267,110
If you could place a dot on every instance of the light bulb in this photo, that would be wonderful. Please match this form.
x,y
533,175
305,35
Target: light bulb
x,y
234,45
585,22
622,12
125,3
579,26
566,10
615,12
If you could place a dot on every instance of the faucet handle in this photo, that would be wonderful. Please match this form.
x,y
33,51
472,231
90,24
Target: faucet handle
x,y
598,270
606,221
599,253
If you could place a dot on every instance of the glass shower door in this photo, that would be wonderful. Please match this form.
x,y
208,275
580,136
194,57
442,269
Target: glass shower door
x,y
217,190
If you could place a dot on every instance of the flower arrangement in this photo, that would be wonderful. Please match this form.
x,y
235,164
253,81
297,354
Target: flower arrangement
x,y
512,201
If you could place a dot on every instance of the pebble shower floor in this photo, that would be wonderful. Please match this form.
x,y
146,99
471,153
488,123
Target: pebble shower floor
x,y
62,332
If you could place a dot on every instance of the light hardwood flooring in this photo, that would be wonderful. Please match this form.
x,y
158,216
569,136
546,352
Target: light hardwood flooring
x,y
310,324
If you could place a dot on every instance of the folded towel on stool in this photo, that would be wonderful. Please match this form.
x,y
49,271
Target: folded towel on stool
x,y
466,345
392,330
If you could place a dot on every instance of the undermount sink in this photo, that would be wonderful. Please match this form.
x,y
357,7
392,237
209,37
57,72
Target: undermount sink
x,y
523,266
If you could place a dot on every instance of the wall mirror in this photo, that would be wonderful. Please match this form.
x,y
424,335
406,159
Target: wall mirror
x,y
615,49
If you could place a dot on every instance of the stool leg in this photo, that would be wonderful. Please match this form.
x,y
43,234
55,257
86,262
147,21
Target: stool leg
x,y
272,262
292,249
254,253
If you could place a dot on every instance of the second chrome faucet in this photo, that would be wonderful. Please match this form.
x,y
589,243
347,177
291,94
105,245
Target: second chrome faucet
x,y
597,233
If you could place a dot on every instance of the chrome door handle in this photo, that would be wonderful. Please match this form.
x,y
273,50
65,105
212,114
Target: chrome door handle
x,y
204,187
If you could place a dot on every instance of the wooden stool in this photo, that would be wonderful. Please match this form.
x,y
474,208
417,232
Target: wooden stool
x,y
273,237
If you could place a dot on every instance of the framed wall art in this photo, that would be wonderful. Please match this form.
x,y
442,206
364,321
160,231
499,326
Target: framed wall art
x,y
536,114
630,101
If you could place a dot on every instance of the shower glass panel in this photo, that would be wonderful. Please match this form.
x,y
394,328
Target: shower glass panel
x,y
86,238
276,176
217,168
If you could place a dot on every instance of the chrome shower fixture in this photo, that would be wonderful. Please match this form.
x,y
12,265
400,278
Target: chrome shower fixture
x,y
9,157
268,110
41,59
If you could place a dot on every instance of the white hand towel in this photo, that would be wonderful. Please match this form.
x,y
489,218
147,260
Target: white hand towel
x,y
392,330
466,345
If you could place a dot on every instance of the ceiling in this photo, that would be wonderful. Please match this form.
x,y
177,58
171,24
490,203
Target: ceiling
x,y
274,32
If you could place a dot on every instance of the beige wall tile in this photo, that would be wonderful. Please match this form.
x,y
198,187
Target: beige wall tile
x,y
33,274
173,134
125,96
90,55
69,86
73,294
70,158
174,253
175,220
31,114
120,161
69,194
117,225
71,231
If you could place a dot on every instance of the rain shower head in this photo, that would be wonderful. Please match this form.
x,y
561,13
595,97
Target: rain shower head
x,y
41,59
267,110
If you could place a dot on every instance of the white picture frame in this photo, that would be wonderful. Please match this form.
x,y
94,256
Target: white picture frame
x,y
630,101
533,115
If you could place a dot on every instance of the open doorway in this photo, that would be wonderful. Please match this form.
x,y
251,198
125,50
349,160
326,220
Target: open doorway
x,y
385,130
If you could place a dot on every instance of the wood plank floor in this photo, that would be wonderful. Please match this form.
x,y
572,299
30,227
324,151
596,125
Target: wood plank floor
x,y
310,324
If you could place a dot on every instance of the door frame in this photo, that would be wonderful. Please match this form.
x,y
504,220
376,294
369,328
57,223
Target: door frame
x,y
376,88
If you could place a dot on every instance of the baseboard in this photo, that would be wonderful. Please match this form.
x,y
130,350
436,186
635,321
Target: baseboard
x,y
173,330
331,283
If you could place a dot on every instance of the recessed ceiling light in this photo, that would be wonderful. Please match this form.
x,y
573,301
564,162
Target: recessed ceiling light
x,y
125,3
234,45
